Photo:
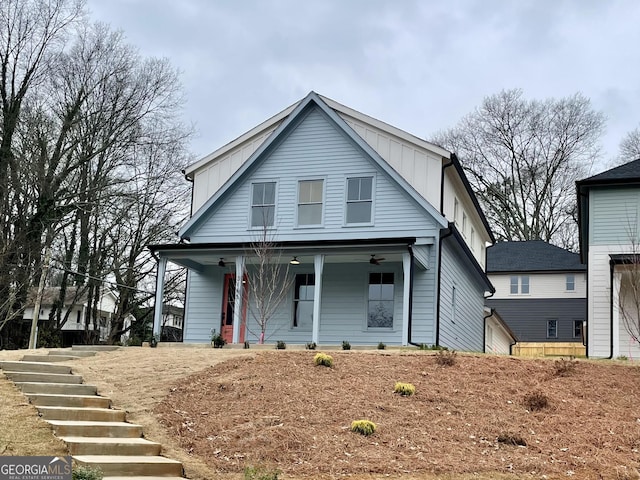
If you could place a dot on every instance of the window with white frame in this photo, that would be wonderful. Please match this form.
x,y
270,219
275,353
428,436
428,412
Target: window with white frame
x,y
380,309
310,193
552,328
464,225
359,200
303,301
570,283
456,210
263,204
577,329
519,285
472,240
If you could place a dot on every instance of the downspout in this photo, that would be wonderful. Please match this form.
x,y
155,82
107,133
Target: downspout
x,y
611,268
447,233
411,268
190,180
484,324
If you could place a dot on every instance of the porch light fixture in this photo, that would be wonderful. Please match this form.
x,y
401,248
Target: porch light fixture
x,y
295,261
221,262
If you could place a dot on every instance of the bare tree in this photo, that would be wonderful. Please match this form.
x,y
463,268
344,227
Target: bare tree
x,y
523,157
630,146
269,282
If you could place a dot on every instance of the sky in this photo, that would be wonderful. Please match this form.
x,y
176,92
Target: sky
x,y
420,65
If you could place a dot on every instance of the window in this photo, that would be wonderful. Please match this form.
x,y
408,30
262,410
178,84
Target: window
x,y
380,314
263,204
552,328
472,240
577,329
78,314
464,225
310,202
571,283
519,285
303,301
456,208
359,199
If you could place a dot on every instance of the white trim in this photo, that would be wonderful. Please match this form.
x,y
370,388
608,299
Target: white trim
x,y
318,267
237,304
617,284
157,311
406,270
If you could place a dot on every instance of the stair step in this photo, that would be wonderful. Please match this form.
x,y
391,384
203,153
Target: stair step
x,y
94,348
75,428
49,358
42,377
57,388
60,400
69,352
111,446
132,465
88,414
35,367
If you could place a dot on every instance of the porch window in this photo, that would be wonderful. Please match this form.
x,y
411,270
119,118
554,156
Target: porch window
x,y
310,194
263,204
571,283
303,301
552,328
380,312
359,199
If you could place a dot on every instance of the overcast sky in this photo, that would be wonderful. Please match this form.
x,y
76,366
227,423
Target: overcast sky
x,y
419,65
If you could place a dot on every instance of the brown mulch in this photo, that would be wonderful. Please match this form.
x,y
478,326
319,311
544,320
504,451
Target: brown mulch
x,y
279,410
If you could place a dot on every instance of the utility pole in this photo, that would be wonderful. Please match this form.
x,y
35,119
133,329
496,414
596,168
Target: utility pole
x,y
33,338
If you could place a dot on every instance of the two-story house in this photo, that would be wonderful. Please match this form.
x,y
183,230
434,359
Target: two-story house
x,y
608,209
378,233
540,294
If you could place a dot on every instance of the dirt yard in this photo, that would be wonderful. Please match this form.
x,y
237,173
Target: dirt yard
x,y
221,410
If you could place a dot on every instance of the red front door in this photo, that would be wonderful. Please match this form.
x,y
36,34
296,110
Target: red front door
x,y
228,306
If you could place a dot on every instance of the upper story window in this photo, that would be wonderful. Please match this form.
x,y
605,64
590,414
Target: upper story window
x,y
571,283
472,240
310,193
263,204
464,225
456,210
380,311
359,199
519,285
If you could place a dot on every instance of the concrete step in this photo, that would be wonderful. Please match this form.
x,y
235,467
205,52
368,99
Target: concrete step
x,y
94,348
42,377
57,388
59,400
49,358
34,367
70,352
88,414
75,428
111,446
132,465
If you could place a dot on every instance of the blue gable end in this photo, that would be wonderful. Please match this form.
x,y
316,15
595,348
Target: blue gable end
x,y
315,148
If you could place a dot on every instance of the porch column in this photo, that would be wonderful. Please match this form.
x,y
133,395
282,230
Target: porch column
x,y
406,284
238,300
615,298
318,266
157,312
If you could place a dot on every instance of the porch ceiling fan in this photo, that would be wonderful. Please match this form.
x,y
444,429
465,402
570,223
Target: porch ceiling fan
x,y
375,260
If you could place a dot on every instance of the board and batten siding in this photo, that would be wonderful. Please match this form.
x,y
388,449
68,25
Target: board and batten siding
x,y
315,149
541,285
203,307
462,320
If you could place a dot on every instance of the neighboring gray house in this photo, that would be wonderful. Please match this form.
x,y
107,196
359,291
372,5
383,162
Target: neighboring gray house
x,y
540,290
608,208
385,237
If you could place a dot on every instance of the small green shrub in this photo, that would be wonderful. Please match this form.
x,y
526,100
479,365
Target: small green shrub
x,y
446,358
86,473
216,340
564,367
405,389
323,359
346,345
536,401
134,341
381,346
426,346
311,346
363,427
260,473
511,439
623,358
280,345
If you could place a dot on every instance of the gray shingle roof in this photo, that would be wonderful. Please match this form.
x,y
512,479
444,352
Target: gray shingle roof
x,y
531,256
628,171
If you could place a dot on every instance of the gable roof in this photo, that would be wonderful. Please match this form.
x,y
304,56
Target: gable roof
x,y
620,176
312,100
531,256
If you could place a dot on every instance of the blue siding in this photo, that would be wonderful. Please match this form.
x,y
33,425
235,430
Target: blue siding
x,y
316,149
424,304
203,305
463,328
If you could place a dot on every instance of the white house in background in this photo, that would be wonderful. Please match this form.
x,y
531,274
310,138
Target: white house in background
x,y
75,305
387,236
498,337
608,210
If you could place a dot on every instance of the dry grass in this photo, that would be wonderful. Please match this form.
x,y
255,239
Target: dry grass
x,y
220,410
